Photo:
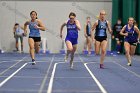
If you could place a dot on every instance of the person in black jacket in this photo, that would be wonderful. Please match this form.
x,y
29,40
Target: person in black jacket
x,y
116,35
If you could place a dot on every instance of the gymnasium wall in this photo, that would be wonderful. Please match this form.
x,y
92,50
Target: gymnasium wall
x,y
52,14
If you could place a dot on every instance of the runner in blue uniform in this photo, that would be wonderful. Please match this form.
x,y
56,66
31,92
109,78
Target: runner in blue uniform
x,y
100,38
35,25
73,26
132,34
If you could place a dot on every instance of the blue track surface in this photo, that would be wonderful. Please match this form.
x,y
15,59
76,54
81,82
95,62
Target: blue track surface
x,y
52,75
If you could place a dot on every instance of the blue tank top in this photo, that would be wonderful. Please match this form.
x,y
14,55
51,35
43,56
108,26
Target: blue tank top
x,y
132,34
88,29
19,31
33,31
72,31
101,28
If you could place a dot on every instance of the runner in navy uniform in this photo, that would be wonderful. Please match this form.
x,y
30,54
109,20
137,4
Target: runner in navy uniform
x,y
131,33
73,26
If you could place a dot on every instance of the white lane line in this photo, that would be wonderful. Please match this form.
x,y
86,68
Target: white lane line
x,y
103,90
46,76
19,90
32,77
12,66
56,91
95,79
137,75
51,80
96,62
8,61
73,77
8,78
1,62
52,77
76,91
29,77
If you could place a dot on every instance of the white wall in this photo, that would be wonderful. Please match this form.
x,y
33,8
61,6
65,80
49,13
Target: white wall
x,y
52,13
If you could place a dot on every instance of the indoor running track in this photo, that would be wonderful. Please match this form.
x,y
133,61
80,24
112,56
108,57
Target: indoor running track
x,y
52,75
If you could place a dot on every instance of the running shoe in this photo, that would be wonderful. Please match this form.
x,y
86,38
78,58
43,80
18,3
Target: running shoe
x,y
101,66
66,58
33,62
71,64
129,64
